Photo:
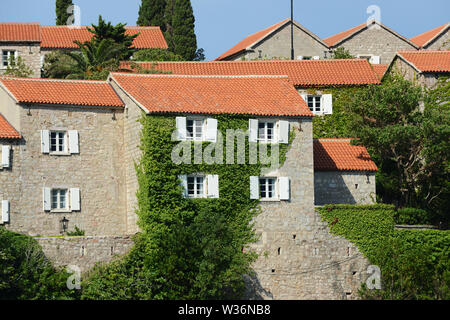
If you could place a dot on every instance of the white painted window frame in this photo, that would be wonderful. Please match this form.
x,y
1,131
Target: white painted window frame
x,y
16,54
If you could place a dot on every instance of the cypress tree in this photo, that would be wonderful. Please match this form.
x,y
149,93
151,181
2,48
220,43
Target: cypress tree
x,y
61,11
181,35
151,13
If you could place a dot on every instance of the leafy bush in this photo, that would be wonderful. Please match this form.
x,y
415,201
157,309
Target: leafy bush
x,y
156,54
414,264
412,216
76,233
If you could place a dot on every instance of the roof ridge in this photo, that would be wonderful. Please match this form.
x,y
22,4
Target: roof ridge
x,y
199,75
52,80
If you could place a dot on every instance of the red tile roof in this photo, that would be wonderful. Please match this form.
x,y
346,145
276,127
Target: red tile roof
x,y
339,155
380,69
7,131
424,38
305,73
253,95
64,92
427,61
251,39
20,32
62,37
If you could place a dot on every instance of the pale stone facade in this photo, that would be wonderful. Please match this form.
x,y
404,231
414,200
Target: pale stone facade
x,y
29,52
442,42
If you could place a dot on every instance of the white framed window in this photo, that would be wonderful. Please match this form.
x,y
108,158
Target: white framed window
x,y
315,103
6,56
196,129
269,131
59,199
59,142
4,208
319,103
371,58
200,185
270,188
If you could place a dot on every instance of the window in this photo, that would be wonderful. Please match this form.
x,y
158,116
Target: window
x,y
7,54
267,188
307,58
266,132
194,129
59,199
314,103
196,186
58,141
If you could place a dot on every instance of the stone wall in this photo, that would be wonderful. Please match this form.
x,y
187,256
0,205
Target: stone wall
x,y
30,53
377,42
424,79
279,45
344,187
440,43
84,252
98,171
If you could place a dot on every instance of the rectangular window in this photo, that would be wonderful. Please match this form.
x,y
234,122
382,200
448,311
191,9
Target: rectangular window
x,y
59,199
267,188
6,55
314,103
266,131
196,186
58,142
194,129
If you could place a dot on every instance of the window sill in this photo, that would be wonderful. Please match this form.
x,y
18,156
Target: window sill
x,y
60,211
269,200
59,154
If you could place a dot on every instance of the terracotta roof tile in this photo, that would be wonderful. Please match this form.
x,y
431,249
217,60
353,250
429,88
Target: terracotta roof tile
x,y
380,69
249,40
331,41
62,37
64,92
424,38
7,131
339,155
20,32
255,95
301,72
428,61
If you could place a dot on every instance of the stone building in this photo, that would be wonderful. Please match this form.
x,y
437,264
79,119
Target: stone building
x,y
32,42
435,39
421,67
373,41
275,42
69,148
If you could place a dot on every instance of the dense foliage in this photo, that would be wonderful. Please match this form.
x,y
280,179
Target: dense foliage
x,y
188,248
156,54
342,53
18,68
25,272
62,16
414,264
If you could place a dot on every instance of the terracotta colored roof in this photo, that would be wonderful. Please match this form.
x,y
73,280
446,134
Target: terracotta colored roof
x,y
338,38
64,92
427,61
255,95
301,72
251,39
424,38
20,32
7,131
380,69
62,37
339,155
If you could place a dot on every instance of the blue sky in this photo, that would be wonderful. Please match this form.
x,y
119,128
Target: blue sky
x,y
220,24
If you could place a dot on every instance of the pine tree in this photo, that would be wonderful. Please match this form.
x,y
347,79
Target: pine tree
x,y
182,39
151,13
61,11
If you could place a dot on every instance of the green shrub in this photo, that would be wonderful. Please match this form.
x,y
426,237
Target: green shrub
x,y
412,216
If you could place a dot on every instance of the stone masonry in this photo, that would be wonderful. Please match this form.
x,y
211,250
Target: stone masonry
x,y
29,52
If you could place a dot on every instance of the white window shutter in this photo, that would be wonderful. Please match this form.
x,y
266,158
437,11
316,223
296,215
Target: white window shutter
x,y
46,199
254,187
181,128
299,57
316,57
211,130
6,155
184,184
284,186
253,130
213,186
45,141
73,141
283,135
327,103
5,211
374,60
75,199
